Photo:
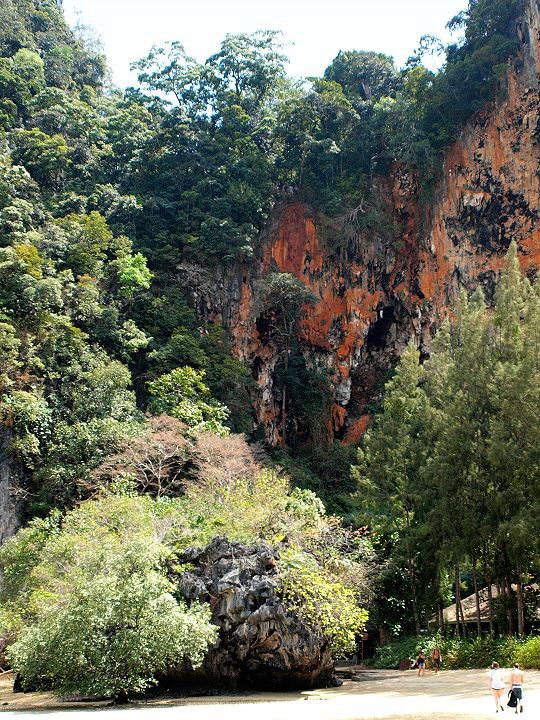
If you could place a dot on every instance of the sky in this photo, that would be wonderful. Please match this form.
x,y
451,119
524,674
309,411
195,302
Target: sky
x,y
315,30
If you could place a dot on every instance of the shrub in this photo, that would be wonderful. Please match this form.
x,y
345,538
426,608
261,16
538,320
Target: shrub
x,y
110,636
101,618
326,604
247,509
528,655
480,652
457,653
389,656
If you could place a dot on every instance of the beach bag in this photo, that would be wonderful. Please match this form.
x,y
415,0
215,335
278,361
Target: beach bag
x,y
512,699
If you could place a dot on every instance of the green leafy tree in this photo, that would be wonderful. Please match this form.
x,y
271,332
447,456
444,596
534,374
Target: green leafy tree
x,y
21,78
513,435
325,604
364,75
390,461
105,621
183,394
45,156
133,274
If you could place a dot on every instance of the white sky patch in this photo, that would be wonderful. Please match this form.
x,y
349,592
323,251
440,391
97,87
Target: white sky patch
x,y
314,30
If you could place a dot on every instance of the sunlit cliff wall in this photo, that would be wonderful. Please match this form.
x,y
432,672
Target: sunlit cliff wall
x,y
377,290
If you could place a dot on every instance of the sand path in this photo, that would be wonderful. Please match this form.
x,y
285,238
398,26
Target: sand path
x,y
386,694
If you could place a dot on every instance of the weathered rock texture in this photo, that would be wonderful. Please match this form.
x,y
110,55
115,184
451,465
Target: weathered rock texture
x,y
379,289
260,643
10,509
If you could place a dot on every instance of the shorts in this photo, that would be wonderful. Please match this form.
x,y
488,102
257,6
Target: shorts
x,y
421,664
436,663
518,692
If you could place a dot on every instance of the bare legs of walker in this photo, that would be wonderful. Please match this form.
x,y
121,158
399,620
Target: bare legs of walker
x,y
497,694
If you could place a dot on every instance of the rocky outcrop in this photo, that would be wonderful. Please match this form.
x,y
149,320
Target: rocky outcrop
x,y
261,644
10,509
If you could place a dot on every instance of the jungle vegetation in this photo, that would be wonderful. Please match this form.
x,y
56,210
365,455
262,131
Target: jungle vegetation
x,y
109,200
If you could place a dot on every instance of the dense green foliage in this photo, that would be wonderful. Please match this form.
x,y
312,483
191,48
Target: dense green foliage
x,y
529,653
449,475
474,66
183,395
459,653
324,603
80,325
325,469
97,611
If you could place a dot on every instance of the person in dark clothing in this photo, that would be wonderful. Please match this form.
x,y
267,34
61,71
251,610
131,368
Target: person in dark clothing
x,y
421,663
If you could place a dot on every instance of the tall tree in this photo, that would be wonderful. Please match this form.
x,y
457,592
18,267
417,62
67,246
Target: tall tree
x,y
283,298
388,470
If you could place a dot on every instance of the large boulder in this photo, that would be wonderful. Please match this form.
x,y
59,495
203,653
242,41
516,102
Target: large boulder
x,y
261,644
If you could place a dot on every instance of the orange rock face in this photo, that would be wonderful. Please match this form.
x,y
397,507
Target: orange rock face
x,y
375,292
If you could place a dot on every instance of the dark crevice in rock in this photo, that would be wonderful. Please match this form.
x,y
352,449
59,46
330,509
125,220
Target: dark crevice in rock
x,y
379,330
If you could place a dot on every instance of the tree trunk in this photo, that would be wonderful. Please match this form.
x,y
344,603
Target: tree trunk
x,y
284,402
490,606
508,604
459,607
463,623
441,618
457,593
520,609
413,598
477,598
412,578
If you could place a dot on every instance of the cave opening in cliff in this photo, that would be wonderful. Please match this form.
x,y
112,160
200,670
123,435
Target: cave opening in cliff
x,y
256,367
378,331
263,327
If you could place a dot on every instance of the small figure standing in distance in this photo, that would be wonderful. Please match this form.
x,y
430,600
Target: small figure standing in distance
x,y
496,685
421,663
517,679
436,659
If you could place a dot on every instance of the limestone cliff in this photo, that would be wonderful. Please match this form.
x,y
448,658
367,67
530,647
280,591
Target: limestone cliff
x,y
379,289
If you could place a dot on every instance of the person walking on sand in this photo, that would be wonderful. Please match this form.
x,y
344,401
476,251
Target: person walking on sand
x,y
436,659
421,663
517,679
496,685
